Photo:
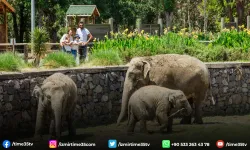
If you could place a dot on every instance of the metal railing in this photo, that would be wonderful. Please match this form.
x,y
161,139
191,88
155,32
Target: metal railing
x,y
26,49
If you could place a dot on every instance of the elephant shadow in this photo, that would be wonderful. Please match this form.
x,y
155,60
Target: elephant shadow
x,y
76,137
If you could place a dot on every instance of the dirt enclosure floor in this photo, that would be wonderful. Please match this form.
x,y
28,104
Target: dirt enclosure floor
x,y
233,129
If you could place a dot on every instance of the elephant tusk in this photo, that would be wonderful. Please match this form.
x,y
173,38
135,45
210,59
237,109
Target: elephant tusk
x,y
147,63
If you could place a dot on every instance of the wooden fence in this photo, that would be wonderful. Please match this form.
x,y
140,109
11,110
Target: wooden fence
x,y
234,24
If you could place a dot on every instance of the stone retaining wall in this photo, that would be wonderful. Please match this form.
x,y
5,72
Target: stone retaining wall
x,y
100,93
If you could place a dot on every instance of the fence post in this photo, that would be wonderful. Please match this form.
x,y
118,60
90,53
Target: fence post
x,y
138,24
111,22
237,22
160,22
26,54
222,23
248,22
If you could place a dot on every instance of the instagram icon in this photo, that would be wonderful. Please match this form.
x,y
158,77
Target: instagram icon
x,y
52,144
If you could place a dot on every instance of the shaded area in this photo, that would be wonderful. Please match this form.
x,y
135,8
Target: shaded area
x,y
228,128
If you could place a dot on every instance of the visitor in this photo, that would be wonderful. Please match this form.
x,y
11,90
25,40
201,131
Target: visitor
x,y
66,41
75,48
84,35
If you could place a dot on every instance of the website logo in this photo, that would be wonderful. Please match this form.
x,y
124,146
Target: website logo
x,y
6,144
112,144
165,143
53,144
220,143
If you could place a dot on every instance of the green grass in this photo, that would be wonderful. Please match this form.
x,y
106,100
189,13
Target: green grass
x,y
58,59
105,58
10,62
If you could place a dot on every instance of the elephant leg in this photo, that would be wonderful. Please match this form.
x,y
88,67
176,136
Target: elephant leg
x,y
162,117
170,124
188,119
198,113
143,126
131,123
71,124
52,129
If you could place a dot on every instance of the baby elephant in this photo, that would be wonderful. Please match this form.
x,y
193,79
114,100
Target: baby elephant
x,y
153,101
57,98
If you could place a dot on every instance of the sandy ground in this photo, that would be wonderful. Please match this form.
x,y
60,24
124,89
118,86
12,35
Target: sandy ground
x,y
229,128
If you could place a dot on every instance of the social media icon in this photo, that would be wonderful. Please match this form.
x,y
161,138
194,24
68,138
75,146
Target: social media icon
x,y
6,144
112,144
165,143
53,144
220,143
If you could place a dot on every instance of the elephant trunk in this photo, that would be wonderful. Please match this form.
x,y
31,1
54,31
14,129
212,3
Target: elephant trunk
x,y
40,117
57,109
125,98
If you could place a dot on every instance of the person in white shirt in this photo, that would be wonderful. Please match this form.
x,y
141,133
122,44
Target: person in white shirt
x,y
75,48
66,41
85,37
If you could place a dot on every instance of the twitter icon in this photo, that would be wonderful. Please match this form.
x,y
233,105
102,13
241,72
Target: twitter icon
x,y
112,144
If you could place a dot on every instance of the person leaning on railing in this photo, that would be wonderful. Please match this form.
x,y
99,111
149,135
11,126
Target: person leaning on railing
x,y
66,41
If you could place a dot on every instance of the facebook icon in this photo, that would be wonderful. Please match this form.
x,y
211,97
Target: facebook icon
x,y
6,144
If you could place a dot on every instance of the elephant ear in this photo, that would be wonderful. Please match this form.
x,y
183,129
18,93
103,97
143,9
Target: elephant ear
x,y
146,68
172,100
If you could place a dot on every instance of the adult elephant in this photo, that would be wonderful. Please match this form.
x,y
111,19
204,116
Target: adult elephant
x,y
174,71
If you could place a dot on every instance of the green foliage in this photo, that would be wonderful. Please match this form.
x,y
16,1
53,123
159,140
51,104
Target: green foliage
x,y
234,39
58,59
10,62
40,37
105,58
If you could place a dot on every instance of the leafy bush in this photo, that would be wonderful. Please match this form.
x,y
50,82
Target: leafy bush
x,y
40,37
58,59
10,62
105,58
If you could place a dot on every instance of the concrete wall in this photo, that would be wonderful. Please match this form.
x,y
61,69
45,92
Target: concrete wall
x,y
100,93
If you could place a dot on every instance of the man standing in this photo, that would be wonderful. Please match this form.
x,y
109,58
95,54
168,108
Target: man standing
x,y
84,35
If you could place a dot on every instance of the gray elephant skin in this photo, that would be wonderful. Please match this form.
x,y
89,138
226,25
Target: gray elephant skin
x,y
174,71
151,102
57,97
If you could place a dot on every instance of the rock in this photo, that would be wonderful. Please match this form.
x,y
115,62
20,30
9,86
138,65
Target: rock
x,y
236,99
1,108
102,82
89,78
17,85
220,104
26,116
216,74
225,89
6,98
105,98
1,97
232,84
78,84
98,89
244,90
248,101
224,82
247,107
11,97
91,86
34,101
79,77
95,100
1,89
112,95
244,85
121,78
244,99
84,91
25,105
96,79
213,81
84,85
8,107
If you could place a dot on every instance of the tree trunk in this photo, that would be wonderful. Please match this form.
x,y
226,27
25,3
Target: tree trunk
x,y
15,27
169,18
22,23
240,11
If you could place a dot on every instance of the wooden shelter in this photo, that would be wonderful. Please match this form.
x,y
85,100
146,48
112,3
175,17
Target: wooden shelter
x,y
5,8
77,13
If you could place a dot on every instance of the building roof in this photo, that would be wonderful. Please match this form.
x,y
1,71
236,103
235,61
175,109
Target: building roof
x,y
5,3
82,10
